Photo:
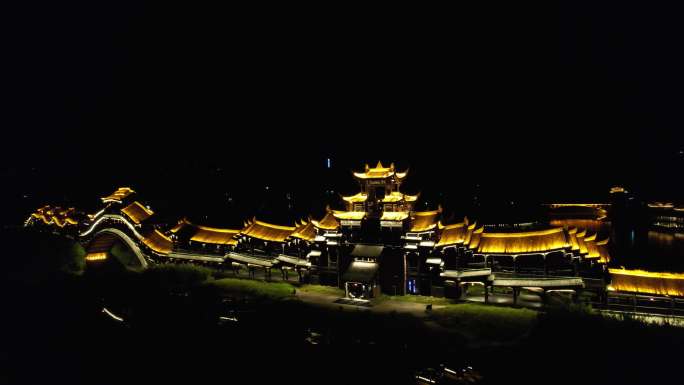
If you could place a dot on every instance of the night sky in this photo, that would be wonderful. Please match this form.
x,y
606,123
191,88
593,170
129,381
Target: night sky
x,y
192,105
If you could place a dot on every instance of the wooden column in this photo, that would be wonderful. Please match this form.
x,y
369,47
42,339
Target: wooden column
x,y
515,265
515,295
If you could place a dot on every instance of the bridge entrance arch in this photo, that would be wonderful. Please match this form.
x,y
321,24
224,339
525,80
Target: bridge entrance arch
x,y
114,243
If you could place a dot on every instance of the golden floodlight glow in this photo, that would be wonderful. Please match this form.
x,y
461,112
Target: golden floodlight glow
x,y
305,231
137,212
647,282
380,172
360,197
660,205
206,234
525,242
57,216
452,234
394,215
158,242
117,196
328,222
96,257
349,215
647,274
425,220
267,231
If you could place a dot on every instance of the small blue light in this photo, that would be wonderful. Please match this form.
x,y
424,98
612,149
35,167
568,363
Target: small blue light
x,y
328,162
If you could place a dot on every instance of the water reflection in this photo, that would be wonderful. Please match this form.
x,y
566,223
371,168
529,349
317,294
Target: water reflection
x,y
589,224
636,247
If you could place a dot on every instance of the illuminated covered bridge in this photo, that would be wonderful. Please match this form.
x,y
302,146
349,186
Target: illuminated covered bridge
x,y
378,242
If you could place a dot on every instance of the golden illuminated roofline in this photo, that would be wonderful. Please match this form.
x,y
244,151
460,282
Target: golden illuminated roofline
x,y
360,197
277,227
603,242
162,235
448,227
427,213
661,205
118,195
380,172
646,274
128,208
324,223
218,230
424,220
394,215
349,215
590,238
523,234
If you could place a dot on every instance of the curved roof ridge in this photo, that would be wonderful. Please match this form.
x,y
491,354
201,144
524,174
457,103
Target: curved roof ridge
x,y
271,225
524,234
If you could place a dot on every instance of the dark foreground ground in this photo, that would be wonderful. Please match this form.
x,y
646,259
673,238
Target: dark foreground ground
x,y
53,331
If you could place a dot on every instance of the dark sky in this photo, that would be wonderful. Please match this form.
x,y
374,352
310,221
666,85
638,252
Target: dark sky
x,y
558,102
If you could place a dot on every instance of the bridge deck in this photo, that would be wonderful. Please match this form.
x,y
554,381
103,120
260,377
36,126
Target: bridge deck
x,y
531,281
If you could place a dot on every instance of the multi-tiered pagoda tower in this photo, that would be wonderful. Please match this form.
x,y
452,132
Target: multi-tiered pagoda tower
x,y
380,201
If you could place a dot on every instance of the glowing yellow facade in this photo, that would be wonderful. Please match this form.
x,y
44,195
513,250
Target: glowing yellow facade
x,y
424,220
305,231
502,243
394,215
645,282
396,196
661,205
379,197
380,171
328,222
349,215
267,232
452,234
137,212
158,242
358,198
206,234
119,195
527,242
95,257
57,216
